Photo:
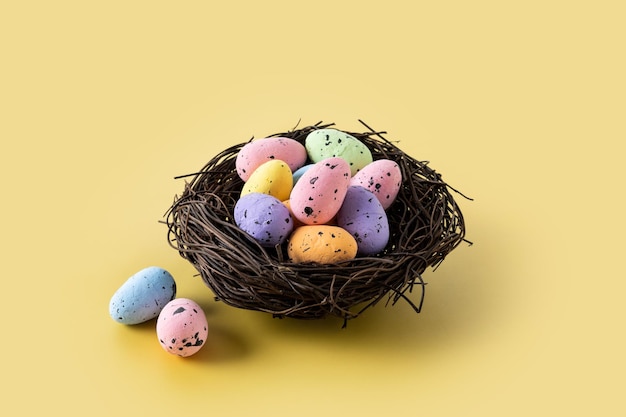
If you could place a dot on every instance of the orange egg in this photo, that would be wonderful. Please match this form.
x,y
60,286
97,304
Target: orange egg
x,y
322,244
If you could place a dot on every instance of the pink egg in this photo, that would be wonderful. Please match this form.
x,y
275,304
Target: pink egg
x,y
319,193
255,153
182,327
383,178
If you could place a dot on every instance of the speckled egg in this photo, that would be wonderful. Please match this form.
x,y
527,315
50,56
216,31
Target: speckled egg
x,y
263,217
182,327
382,177
318,195
321,244
296,222
327,143
255,153
142,296
299,172
272,177
365,219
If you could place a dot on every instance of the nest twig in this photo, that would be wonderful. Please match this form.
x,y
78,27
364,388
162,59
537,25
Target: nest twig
x,y
425,223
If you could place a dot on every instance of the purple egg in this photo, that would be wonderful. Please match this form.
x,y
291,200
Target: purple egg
x,y
263,217
364,217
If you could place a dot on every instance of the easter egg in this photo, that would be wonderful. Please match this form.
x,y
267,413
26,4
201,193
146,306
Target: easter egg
x,y
182,327
272,177
382,177
299,172
258,151
263,217
142,296
319,193
327,143
296,222
365,219
321,244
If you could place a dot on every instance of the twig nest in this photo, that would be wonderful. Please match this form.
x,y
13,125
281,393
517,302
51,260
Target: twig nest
x,y
422,225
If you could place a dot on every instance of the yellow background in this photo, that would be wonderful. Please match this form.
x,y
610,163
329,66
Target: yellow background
x,y
520,105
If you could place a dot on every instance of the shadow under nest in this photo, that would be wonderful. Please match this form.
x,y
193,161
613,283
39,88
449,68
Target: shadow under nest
x,y
425,225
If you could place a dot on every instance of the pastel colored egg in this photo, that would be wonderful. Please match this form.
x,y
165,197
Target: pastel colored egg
x,y
318,195
365,219
327,143
182,327
272,177
382,177
321,244
142,296
263,217
296,222
255,153
299,172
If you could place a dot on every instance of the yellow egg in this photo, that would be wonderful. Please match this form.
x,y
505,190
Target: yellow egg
x,y
273,177
323,244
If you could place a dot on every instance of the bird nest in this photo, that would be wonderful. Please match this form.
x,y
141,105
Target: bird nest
x,y
425,224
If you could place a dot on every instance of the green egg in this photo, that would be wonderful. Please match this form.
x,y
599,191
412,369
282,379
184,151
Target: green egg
x,y
327,143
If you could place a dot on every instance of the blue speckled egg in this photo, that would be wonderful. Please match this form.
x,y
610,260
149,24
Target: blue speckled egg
x,y
142,296
364,217
299,172
263,217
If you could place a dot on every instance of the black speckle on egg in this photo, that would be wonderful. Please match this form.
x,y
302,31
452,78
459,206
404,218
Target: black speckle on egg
x,y
178,310
308,211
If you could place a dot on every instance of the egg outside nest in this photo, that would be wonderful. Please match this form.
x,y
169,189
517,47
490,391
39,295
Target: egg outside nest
x,y
425,225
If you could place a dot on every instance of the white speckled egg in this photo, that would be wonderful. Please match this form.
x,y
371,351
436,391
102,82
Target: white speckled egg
x,y
382,177
142,296
182,327
255,153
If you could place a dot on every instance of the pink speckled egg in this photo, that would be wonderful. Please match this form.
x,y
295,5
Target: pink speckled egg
x,y
382,177
319,193
182,327
255,153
